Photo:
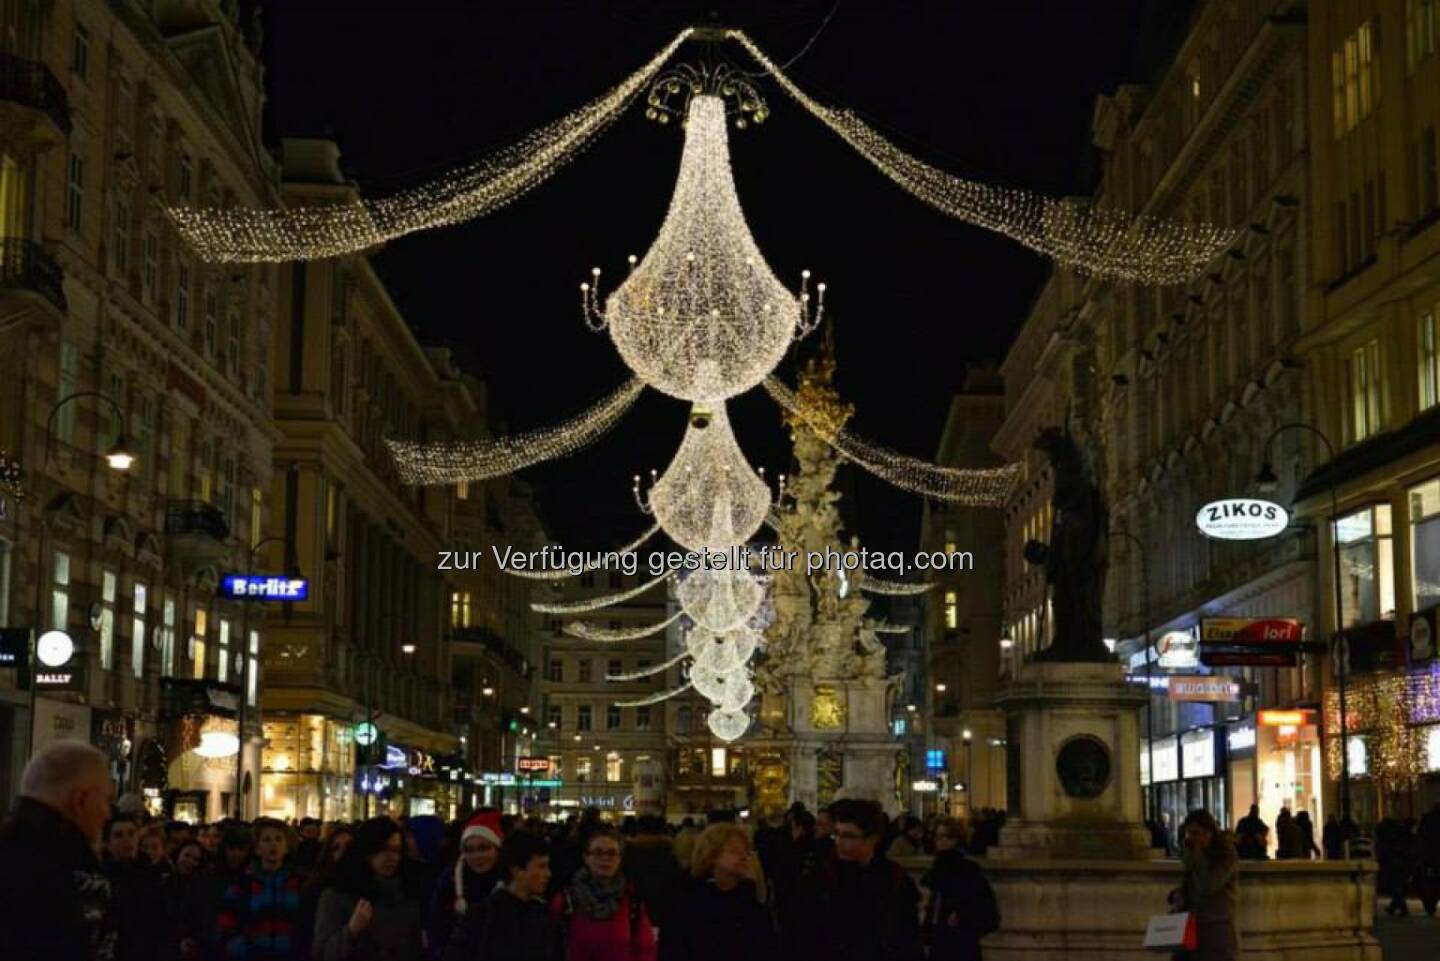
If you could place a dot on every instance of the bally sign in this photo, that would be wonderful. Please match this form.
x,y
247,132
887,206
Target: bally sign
x,y
1241,519
1204,689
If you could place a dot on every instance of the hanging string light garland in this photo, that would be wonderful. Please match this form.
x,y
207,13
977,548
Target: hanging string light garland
x,y
236,234
446,462
597,603
645,672
656,698
594,564
973,487
618,635
1101,241
879,585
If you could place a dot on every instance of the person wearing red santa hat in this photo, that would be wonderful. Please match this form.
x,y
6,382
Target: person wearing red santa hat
x,y
476,872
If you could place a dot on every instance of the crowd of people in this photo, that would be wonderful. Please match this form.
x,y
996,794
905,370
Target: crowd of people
x,y
83,881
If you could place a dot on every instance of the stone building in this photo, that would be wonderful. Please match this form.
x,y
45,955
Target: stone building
x,y
109,112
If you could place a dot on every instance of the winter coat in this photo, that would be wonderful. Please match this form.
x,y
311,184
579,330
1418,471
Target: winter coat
x,y
54,899
258,916
627,935
504,928
868,912
135,892
708,924
392,935
189,913
649,864
1210,892
962,907
1430,838
1289,839
440,919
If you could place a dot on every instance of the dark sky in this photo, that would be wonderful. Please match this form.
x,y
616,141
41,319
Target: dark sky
x,y
1000,92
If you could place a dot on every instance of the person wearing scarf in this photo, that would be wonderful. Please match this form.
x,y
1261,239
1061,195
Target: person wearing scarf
x,y
475,874
601,915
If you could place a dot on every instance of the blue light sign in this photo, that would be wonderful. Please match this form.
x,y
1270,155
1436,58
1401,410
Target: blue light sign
x,y
264,587
934,760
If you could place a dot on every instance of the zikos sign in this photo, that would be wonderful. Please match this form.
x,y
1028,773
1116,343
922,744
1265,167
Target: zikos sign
x,y
1241,519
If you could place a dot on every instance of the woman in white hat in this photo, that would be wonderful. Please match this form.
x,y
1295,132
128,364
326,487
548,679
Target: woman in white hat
x,y
475,874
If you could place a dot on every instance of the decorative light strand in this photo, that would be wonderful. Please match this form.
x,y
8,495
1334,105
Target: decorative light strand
x,y
618,635
446,462
305,233
597,603
656,698
973,487
592,565
879,585
645,672
1101,241
701,317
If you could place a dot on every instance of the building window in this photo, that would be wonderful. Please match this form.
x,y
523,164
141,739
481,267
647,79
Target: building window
x,y
187,176
1367,566
462,490
60,591
150,272
614,767
952,610
137,630
1426,176
1429,368
80,52
582,717
121,247
1425,544
74,191
586,669
557,766
717,761
582,769
555,716
1419,31
108,590
167,638
1365,391
460,609
222,655
642,719
182,296
1369,89
616,666
612,718
252,681
197,643
1337,93
556,670
256,530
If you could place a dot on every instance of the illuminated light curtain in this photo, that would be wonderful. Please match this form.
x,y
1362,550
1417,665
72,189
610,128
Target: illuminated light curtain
x,y
306,233
592,565
1100,241
988,487
1381,710
702,317
618,635
597,603
446,462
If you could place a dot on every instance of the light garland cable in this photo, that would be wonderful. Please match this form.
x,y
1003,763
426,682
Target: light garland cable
x,y
1101,241
592,565
306,233
702,317
973,487
645,672
879,585
446,462
618,635
656,698
597,603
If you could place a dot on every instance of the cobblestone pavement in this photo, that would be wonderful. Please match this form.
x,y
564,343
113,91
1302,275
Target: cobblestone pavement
x,y
1413,938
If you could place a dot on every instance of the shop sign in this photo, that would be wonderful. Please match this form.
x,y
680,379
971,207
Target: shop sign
x,y
925,787
1240,739
534,765
57,670
1251,630
607,802
264,587
421,764
1241,519
1197,753
545,783
504,778
1167,760
15,647
1177,650
366,733
1358,755
1204,689
1295,718
1423,636
396,758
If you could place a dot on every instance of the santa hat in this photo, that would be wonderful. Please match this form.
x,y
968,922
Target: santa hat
x,y
485,824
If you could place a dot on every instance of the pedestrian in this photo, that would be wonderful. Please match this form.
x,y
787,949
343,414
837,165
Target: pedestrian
x,y
793,856
1307,835
1430,859
307,852
259,910
54,897
716,914
1331,837
209,837
600,915
961,908
513,922
1252,836
186,917
859,904
649,863
1288,838
134,891
909,843
1392,849
322,878
1209,889
368,915
152,849
475,874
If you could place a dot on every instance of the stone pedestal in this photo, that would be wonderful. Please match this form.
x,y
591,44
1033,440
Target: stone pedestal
x,y
1072,753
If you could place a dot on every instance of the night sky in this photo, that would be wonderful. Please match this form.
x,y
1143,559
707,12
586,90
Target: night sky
x,y
998,92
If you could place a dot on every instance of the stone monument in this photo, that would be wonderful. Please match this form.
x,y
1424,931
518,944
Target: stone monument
x,y
825,697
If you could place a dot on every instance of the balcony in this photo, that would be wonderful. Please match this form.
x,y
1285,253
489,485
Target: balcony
x,y
33,107
27,268
195,532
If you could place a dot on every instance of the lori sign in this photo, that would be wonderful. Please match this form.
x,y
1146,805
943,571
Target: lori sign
x,y
1241,519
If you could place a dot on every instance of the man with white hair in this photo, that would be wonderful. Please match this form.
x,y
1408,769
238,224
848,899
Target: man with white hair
x,y
54,899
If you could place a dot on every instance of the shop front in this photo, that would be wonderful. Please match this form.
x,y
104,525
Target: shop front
x,y
410,782
1273,763
1187,777
307,768
201,741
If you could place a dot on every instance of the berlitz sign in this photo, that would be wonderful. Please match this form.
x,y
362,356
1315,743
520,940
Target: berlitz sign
x,y
1241,519
265,587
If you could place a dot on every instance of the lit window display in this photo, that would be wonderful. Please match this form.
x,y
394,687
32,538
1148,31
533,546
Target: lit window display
x,y
1425,544
307,769
1367,565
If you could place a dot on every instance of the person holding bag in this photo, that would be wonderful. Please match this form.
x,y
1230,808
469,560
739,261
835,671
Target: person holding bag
x,y
1209,891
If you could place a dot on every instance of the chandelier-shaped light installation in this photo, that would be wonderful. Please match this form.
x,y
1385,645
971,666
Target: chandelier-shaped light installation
x,y
701,317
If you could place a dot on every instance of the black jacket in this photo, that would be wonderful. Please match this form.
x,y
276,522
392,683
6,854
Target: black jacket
x,y
504,928
649,864
707,924
137,896
54,899
868,912
962,908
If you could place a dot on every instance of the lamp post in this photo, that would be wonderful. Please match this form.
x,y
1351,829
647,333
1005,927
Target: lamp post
x,y
245,668
965,738
1267,482
1139,546
120,457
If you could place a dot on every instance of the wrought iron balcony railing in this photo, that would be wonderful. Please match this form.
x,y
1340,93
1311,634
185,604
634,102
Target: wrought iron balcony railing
x,y
24,265
30,83
195,517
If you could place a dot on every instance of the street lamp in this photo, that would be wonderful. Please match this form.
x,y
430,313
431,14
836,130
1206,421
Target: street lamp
x,y
1267,482
245,668
965,738
1139,546
120,457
